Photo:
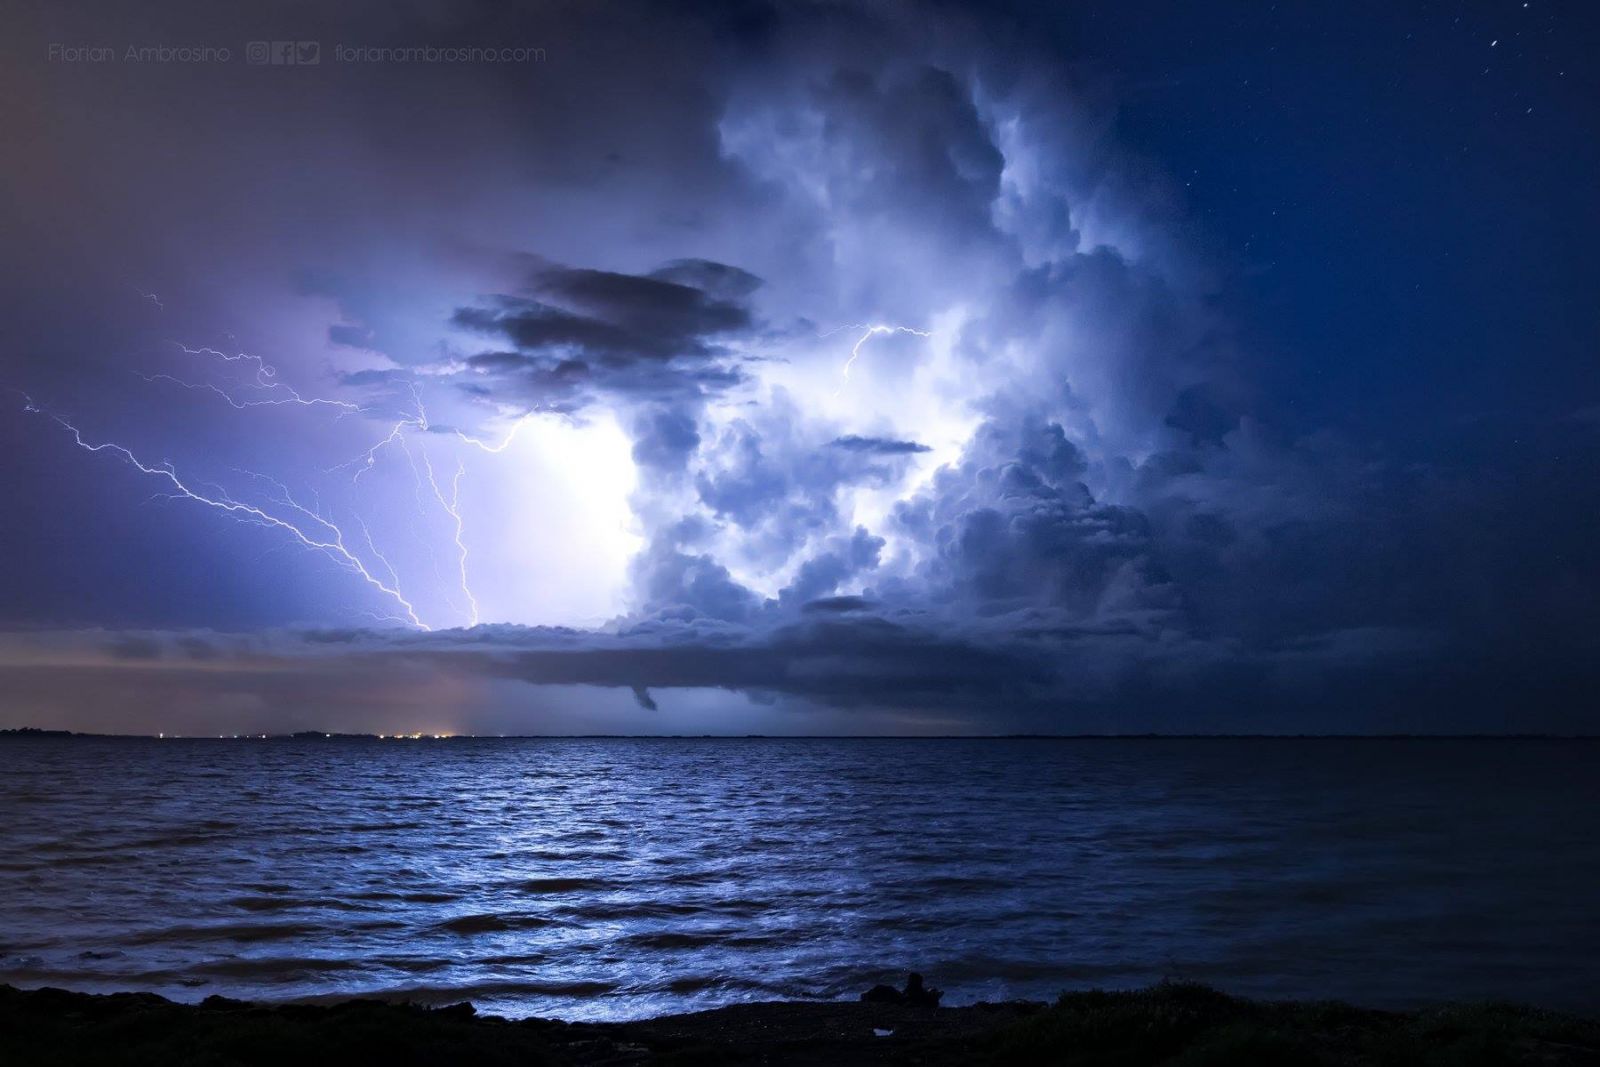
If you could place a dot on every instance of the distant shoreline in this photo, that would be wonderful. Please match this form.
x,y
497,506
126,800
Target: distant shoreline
x,y
1169,1023
28,733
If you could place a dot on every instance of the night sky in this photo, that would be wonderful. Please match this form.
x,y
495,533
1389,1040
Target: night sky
x,y
749,368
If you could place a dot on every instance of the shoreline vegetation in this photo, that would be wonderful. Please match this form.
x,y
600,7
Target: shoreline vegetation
x,y
1177,1024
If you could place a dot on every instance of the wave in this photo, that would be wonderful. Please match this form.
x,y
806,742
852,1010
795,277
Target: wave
x,y
281,968
453,994
421,896
695,939
562,885
484,924
245,932
578,856
286,903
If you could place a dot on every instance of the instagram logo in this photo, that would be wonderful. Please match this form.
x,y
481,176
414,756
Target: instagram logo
x,y
283,53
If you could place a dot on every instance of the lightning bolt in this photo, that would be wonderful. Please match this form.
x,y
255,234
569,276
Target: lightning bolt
x,y
505,442
452,508
450,505
372,546
248,381
304,526
868,332
369,459
266,379
233,401
396,436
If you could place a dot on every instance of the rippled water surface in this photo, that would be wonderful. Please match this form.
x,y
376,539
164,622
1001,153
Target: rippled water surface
x,y
619,878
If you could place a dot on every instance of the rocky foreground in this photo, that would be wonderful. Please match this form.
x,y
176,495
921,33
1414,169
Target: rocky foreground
x,y
1175,1024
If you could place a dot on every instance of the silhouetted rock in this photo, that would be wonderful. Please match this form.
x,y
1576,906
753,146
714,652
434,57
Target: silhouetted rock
x,y
883,994
917,993
216,1002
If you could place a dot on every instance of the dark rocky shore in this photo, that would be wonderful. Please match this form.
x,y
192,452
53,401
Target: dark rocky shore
x,y
1173,1024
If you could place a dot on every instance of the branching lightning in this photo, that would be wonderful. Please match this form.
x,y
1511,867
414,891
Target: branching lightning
x,y
305,526
272,505
505,442
450,505
266,380
369,459
347,540
452,508
869,331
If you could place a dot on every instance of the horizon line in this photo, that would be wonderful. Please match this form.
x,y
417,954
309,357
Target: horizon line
x,y
336,735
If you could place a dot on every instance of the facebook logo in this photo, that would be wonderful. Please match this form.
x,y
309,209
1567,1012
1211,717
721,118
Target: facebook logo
x,y
296,53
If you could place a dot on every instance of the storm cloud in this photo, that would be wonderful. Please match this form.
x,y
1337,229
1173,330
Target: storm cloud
x,y
839,359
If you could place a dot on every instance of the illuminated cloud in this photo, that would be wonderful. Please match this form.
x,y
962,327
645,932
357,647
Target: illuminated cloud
x,y
831,359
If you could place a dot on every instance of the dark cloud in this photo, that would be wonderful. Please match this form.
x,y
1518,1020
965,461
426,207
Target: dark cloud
x,y
1198,413
842,559
936,161
1013,525
581,333
838,604
664,438
878,446
675,580
616,319
1030,671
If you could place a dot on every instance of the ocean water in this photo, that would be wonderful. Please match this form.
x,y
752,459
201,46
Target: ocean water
x,y
621,878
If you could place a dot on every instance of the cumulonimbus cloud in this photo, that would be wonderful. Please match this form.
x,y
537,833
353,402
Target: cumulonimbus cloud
x,y
1053,492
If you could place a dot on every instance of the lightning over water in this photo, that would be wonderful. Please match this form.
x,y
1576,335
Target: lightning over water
x,y
306,527
354,547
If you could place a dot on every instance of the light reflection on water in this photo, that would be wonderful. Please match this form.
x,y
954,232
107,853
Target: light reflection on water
x,y
620,878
